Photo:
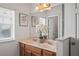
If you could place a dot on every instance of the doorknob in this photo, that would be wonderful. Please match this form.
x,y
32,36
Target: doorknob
x,y
73,43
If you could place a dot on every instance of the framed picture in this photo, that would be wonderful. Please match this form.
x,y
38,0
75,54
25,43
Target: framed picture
x,y
23,19
34,21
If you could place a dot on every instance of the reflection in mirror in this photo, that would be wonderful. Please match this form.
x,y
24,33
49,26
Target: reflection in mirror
x,y
42,28
53,27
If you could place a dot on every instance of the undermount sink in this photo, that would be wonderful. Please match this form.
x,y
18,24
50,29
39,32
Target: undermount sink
x,y
34,39
39,40
50,42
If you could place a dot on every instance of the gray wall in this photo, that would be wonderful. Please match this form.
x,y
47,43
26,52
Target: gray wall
x,y
69,20
11,48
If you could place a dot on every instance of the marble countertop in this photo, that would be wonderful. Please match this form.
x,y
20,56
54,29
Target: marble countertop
x,y
49,45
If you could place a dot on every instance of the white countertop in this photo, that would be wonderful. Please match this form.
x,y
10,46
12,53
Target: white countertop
x,y
45,45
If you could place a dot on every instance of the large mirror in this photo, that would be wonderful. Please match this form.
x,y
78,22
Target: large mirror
x,y
49,22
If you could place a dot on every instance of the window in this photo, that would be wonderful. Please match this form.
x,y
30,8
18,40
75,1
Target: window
x,y
7,18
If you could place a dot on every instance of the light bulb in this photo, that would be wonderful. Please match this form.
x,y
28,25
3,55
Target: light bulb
x,y
37,8
45,5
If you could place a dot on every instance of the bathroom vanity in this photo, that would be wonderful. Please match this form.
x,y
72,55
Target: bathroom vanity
x,y
29,47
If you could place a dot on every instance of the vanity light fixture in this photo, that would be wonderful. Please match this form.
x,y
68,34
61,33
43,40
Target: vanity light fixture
x,y
43,6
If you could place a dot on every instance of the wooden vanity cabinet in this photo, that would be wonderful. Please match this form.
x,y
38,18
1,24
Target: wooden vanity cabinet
x,y
28,50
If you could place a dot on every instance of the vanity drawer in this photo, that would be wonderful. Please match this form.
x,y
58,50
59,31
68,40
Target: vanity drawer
x,y
48,53
27,54
36,51
27,50
28,47
35,54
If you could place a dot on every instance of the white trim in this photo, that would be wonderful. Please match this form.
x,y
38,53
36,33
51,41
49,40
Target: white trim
x,y
6,39
58,23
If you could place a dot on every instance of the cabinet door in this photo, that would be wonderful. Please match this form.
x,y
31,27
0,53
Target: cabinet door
x,y
22,50
27,52
48,53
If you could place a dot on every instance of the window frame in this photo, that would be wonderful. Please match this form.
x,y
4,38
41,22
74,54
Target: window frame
x,y
12,37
